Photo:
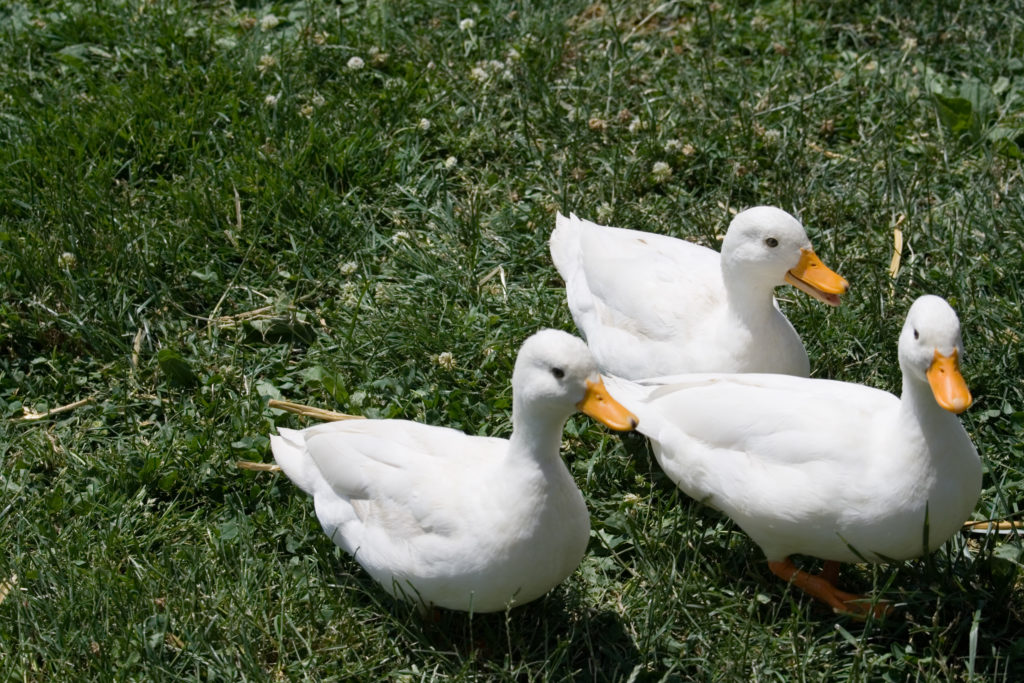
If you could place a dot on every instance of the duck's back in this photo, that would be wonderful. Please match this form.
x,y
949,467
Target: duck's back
x,y
638,298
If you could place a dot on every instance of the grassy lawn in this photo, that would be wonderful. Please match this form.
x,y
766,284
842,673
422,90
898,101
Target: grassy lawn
x,y
207,204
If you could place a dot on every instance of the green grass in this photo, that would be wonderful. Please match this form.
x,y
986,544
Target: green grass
x,y
178,248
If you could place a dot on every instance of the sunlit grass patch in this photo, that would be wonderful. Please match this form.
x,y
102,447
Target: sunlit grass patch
x,y
208,205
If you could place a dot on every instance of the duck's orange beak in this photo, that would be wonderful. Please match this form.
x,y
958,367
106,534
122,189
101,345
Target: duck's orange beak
x,y
599,404
813,277
948,385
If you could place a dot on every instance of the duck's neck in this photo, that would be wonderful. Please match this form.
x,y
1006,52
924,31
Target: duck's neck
x,y
939,458
749,298
536,433
920,414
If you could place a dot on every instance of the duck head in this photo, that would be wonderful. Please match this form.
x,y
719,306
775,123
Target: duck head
x,y
768,245
930,349
555,375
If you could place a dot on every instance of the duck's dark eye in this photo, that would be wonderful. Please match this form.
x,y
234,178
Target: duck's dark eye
x,y
772,242
559,373
916,335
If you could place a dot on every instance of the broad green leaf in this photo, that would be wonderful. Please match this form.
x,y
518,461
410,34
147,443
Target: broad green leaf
x,y
1010,552
176,368
955,113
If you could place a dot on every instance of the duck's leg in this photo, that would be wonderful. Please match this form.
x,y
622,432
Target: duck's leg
x,y
830,572
822,588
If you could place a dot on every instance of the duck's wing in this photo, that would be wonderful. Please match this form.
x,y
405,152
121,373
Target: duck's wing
x,y
408,484
791,460
752,425
637,283
368,458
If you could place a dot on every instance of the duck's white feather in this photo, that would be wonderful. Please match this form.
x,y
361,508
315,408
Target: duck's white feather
x,y
616,313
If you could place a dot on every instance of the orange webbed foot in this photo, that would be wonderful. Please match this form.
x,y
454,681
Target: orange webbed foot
x,y
822,587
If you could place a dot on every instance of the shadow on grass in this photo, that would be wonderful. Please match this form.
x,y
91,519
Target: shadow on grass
x,y
558,636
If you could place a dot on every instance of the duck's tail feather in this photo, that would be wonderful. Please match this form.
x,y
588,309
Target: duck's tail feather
x,y
564,245
289,448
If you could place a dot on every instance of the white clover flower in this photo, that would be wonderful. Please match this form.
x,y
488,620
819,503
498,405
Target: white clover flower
x,y
269,22
317,100
271,100
604,211
478,74
467,25
446,360
355,63
637,125
306,111
67,260
400,236
661,171
513,55
678,147
450,162
382,292
349,294
760,23
348,267
225,43
424,125
267,62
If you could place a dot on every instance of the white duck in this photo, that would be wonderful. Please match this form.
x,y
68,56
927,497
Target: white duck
x,y
651,305
838,471
463,522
